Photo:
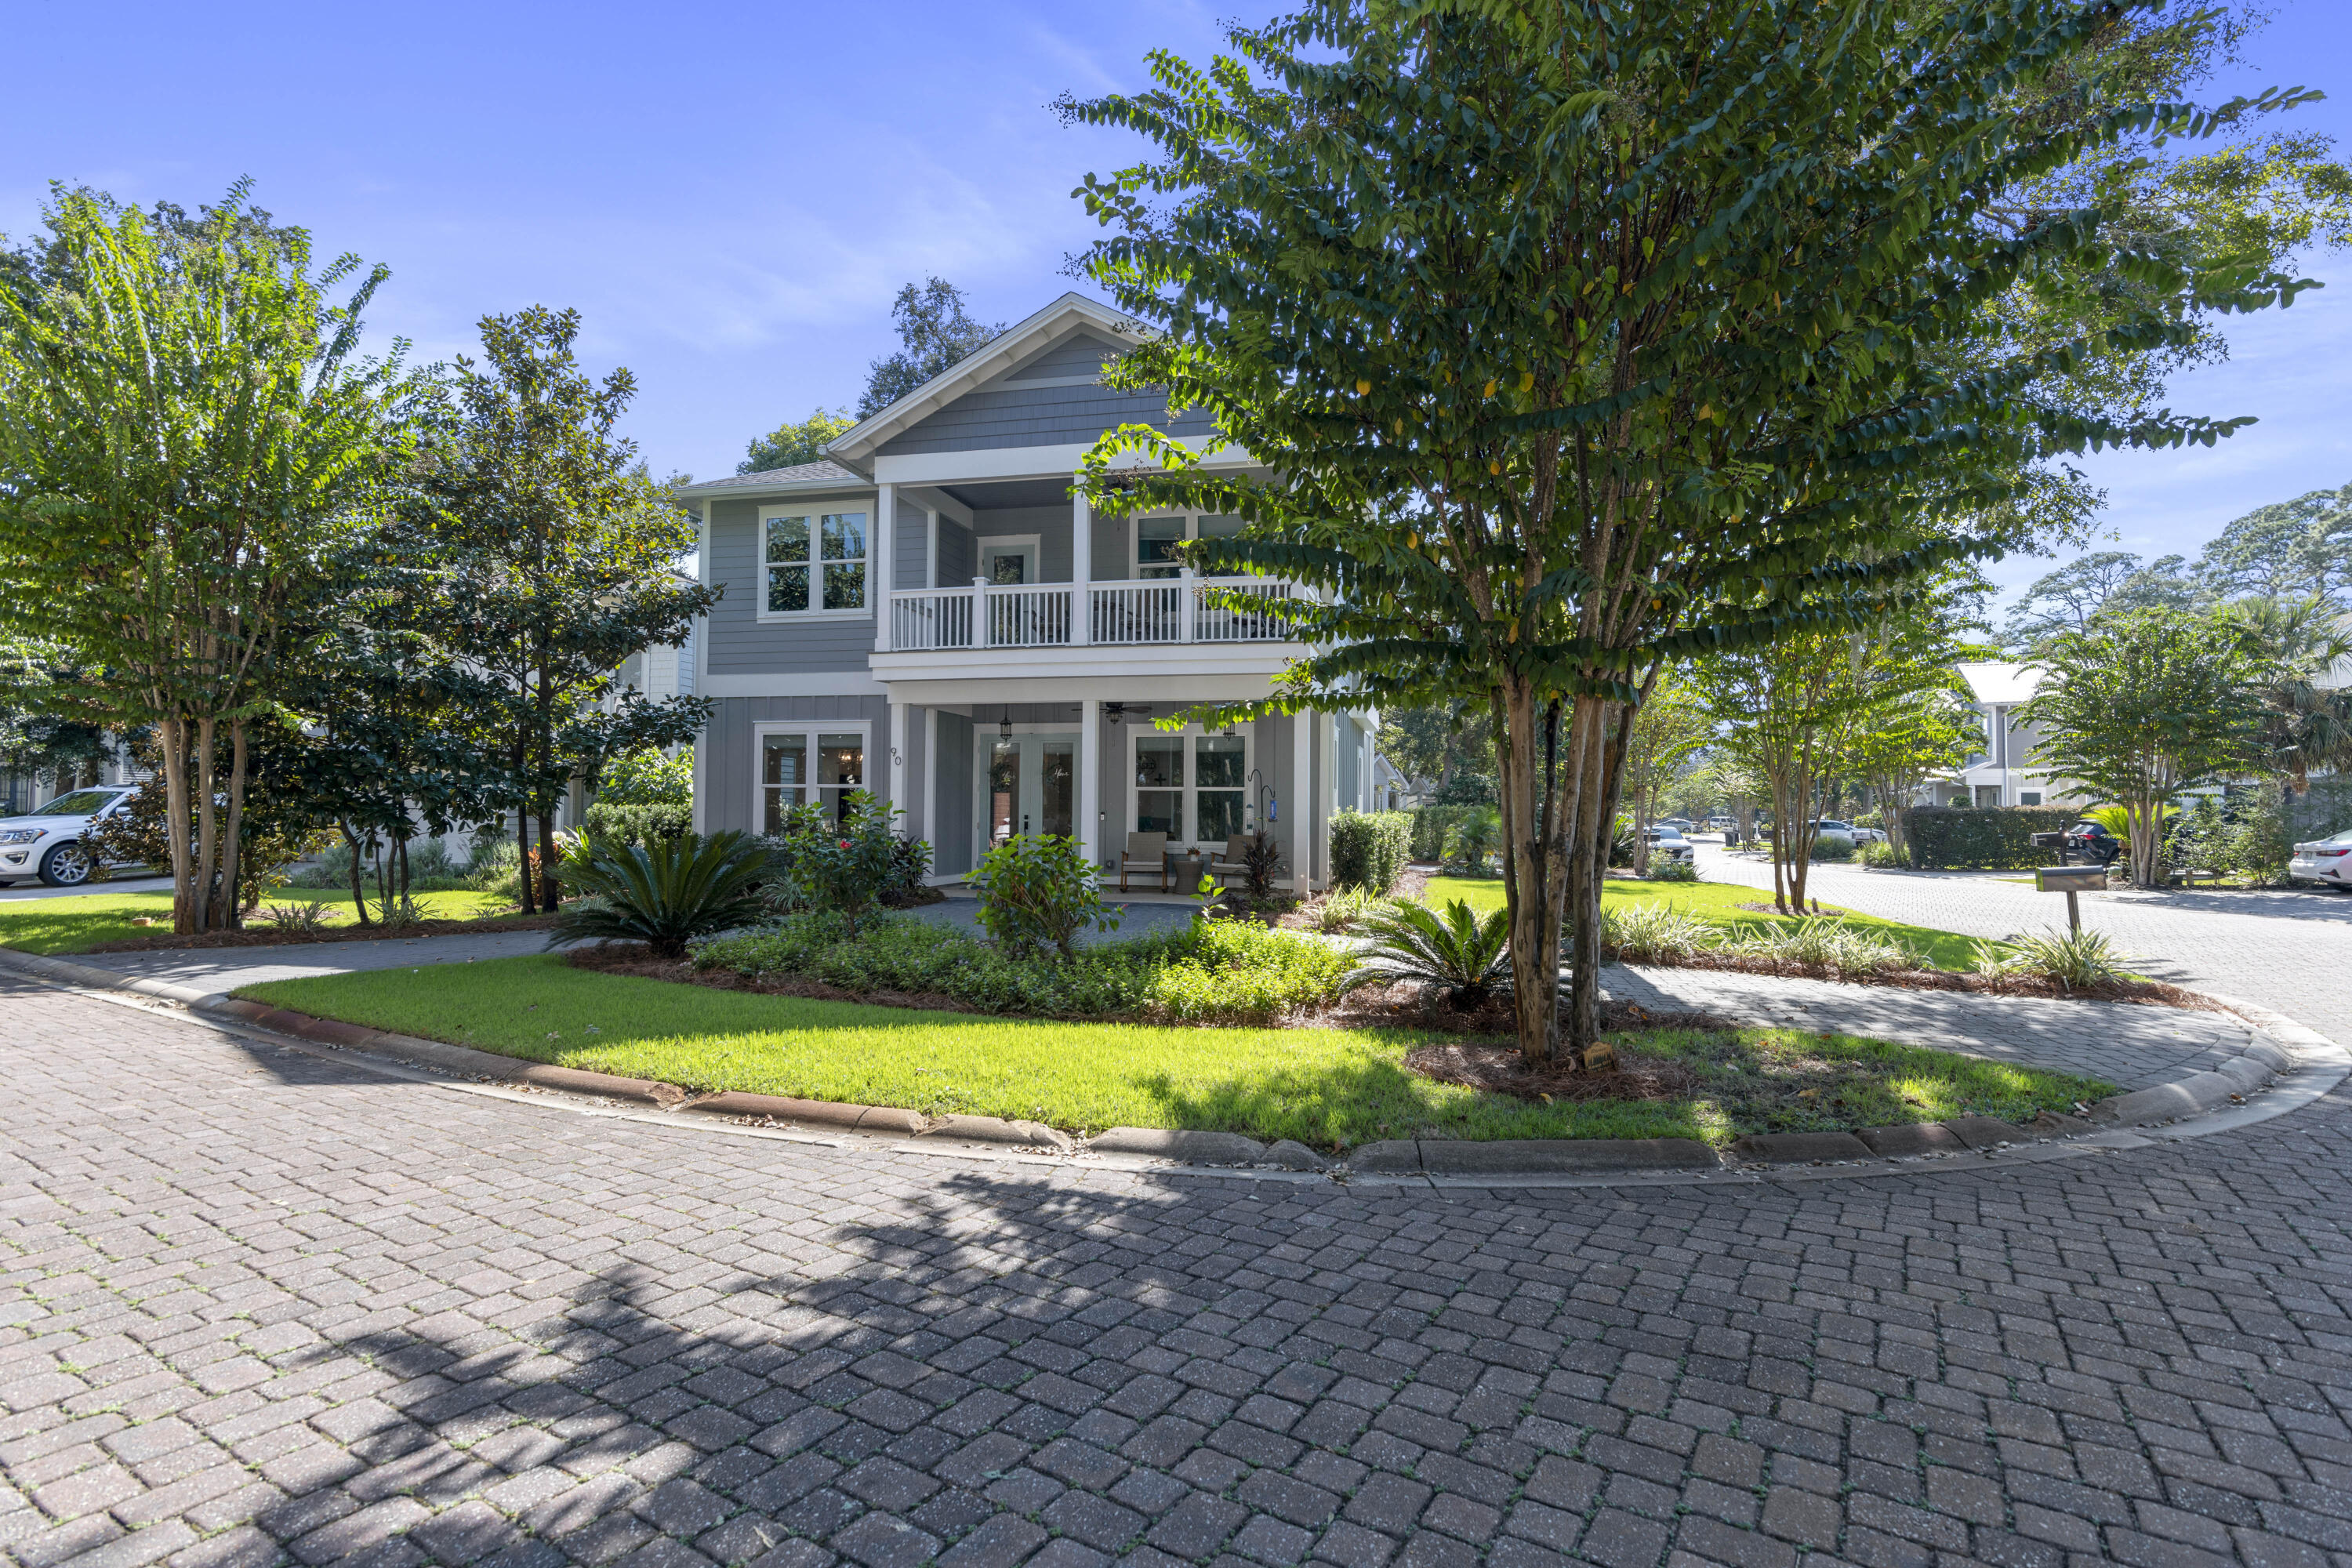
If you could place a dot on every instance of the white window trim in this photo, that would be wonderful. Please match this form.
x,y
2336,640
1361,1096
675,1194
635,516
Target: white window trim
x,y
1247,733
763,728
812,511
1033,542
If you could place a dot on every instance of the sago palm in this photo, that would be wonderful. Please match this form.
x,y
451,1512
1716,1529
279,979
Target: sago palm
x,y
663,893
1464,955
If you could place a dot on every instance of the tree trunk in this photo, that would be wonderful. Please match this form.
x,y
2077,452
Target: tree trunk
x,y
207,866
1527,862
359,887
549,889
174,738
1587,815
527,883
232,877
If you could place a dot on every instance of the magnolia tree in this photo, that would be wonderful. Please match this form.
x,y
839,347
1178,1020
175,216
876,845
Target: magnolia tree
x,y
1574,340
186,429
2142,706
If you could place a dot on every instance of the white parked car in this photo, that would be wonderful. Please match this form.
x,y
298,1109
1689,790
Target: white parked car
x,y
48,844
1828,832
2327,861
1665,841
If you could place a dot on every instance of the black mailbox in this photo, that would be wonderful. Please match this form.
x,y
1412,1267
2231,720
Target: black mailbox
x,y
2069,879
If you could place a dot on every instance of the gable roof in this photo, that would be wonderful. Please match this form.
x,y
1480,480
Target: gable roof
x,y
855,445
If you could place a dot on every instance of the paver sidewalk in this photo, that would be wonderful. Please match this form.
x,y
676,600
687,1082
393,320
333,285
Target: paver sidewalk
x,y
2129,1046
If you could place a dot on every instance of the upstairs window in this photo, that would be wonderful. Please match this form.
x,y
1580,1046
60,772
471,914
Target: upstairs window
x,y
815,563
1156,539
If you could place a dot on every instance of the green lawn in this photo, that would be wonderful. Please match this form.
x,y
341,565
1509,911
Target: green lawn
x,y
79,924
1322,1087
1718,903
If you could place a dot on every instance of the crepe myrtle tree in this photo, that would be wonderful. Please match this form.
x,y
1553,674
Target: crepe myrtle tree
x,y
2142,706
1579,339
186,425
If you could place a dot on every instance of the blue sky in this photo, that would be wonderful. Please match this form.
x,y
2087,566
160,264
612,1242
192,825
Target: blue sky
x,y
731,194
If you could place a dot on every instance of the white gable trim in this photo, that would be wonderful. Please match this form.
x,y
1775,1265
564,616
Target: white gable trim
x,y
856,444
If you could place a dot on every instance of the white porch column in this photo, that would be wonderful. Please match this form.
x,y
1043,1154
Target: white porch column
x,y
932,782
882,563
1090,781
898,759
1082,570
1302,801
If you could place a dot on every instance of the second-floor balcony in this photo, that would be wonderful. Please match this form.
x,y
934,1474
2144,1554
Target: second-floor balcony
x,y
1153,611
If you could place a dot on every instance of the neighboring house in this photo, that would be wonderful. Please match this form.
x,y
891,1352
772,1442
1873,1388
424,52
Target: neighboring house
x,y
1023,645
2004,774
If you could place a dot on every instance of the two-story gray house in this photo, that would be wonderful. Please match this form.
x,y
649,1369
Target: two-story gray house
x,y
933,613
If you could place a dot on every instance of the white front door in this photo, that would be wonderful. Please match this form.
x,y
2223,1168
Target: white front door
x,y
1027,784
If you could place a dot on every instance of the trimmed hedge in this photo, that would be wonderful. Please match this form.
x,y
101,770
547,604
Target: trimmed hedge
x,y
1982,838
1369,849
638,824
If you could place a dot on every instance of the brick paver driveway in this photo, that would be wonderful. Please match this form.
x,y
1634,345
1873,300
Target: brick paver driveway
x,y
255,1306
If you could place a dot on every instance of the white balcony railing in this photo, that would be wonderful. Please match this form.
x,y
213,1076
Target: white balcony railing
x,y
1161,610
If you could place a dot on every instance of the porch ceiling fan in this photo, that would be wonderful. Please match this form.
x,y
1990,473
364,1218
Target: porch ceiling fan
x,y
1116,712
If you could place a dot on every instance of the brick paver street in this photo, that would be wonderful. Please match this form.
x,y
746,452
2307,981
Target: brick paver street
x,y
257,1307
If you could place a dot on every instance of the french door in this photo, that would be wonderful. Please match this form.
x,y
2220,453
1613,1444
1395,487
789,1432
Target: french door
x,y
1027,784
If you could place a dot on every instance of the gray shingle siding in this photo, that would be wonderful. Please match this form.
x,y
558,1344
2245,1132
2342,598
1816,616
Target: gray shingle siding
x,y
1037,417
1051,524
1080,354
738,643
958,554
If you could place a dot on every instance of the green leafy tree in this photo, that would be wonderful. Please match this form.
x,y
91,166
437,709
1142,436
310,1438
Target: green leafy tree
x,y
2141,706
1442,743
1670,727
1585,340
187,426
2286,550
558,559
648,778
790,445
935,332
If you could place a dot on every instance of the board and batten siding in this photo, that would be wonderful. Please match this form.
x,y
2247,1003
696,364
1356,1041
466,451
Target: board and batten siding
x,y
728,760
952,835
910,546
1004,412
740,642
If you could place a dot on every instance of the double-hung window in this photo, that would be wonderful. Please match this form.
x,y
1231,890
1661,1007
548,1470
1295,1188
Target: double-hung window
x,y
804,764
815,561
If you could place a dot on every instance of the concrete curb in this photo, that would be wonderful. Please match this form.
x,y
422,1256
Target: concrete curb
x,y
2196,1106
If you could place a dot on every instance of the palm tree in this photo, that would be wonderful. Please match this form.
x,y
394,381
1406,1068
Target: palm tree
x,y
2307,727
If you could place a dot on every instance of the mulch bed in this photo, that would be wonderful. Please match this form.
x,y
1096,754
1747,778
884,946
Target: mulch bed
x,y
1499,1068
269,936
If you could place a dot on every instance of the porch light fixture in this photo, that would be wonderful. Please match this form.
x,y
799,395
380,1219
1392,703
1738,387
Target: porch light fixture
x,y
1004,725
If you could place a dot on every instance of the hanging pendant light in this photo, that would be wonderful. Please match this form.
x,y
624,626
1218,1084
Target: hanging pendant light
x,y
1004,725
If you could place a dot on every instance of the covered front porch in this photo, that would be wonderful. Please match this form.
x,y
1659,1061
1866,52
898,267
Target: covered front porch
x,y
975,762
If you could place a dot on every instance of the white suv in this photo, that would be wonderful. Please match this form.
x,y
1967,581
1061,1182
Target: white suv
x,y
47,843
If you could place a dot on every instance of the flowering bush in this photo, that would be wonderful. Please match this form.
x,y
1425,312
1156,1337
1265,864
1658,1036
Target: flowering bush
x,y
845,866
1036,892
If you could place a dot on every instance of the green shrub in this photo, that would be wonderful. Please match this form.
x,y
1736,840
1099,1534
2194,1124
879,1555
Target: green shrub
x,y
1667,868
1468,789
1656,933
1827,849
2071,958
1212,972
1826,944
624,822
664,893
649,778
1037,891
1369,849
1431,825
846,865
1998,838
1476,835
1883,854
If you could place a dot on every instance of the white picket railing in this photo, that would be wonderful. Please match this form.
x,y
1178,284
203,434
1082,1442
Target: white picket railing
x,y
1160,610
